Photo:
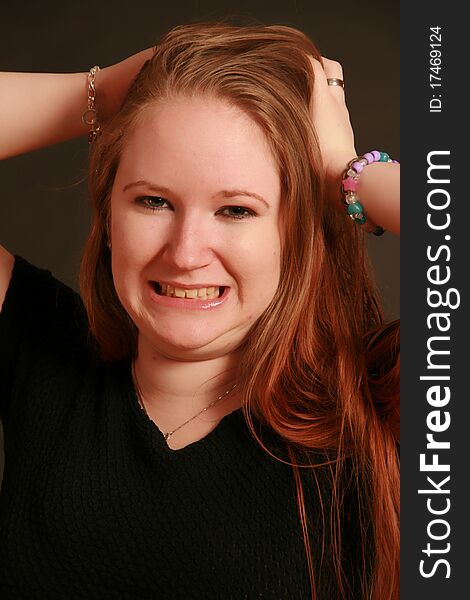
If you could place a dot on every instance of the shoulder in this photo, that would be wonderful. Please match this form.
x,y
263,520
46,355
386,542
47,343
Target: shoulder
x,y
37,305
43,331
7,261
34,289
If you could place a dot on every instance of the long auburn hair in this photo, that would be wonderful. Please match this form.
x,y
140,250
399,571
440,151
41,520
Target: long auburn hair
x,y
319,367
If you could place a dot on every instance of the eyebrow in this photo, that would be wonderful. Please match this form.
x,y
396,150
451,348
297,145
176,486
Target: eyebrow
x,y
224,193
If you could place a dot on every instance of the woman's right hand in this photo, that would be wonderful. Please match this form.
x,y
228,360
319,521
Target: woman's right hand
x,y
60,99
113,82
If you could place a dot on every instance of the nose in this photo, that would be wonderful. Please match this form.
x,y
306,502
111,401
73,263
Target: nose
x,y
189,243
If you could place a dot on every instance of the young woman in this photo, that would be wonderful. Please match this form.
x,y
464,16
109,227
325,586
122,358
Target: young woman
x,y
216,415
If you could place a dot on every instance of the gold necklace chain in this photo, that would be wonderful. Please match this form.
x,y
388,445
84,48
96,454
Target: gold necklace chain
x,y
169,433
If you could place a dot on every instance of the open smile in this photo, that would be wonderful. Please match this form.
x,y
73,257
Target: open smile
x,y
188,298
198,293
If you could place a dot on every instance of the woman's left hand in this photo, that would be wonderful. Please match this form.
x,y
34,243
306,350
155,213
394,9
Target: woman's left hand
x,y
330,118
380,183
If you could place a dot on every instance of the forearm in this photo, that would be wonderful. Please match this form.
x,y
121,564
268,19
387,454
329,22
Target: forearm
x,y
378,192
39,109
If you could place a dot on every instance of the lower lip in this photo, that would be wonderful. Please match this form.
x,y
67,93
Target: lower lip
x,y
186,303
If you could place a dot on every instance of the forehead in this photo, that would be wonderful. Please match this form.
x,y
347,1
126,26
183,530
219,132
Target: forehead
x,y
206,139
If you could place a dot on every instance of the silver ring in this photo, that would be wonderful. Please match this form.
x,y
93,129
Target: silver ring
x,y
335,81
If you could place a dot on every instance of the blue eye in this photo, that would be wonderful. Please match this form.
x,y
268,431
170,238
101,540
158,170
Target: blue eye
x,y
239,213
151,202
157,203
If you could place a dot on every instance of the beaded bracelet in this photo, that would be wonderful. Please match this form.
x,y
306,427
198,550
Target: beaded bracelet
x,y
351,181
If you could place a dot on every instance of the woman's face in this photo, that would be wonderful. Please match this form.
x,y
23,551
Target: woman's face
x,y
195,204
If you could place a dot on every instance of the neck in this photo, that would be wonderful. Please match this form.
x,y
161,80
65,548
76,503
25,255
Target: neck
x,y
179,388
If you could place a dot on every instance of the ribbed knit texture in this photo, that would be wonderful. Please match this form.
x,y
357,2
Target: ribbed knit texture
x,y
94,503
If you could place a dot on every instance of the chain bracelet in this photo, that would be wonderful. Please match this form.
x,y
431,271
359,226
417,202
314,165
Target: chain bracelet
x,y
90,116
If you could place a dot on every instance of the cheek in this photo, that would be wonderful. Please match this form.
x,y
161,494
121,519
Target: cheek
x,y
260,268
124,263
127,259
131,245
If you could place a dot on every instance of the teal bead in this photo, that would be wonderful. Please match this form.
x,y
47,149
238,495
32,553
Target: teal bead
x,y
384,157
355,208
361,220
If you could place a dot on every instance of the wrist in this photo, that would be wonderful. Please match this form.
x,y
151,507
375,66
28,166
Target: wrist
x,y
90,116
104,95
352,190
334,172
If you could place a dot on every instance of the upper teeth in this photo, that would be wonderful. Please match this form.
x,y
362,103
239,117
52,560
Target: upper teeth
x,y
203,293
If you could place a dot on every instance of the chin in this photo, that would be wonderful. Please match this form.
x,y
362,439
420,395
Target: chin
x,y
195,347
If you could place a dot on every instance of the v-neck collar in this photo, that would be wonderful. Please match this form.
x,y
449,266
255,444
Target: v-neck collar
x,y
215,436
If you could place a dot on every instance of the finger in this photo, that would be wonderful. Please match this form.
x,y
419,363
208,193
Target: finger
x,y
334,76
321,85
332,68
321,90
328,70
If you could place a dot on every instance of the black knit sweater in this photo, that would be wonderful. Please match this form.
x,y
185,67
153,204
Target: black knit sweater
x,y
95,505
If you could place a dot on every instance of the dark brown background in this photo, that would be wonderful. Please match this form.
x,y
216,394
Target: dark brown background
x,y
44,212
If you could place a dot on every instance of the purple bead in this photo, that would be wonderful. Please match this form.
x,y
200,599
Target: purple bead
x,y
376,155
357,166
369,157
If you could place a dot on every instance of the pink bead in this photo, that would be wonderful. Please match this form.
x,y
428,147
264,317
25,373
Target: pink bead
x,y
376,155
369,157
357,166
350,185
